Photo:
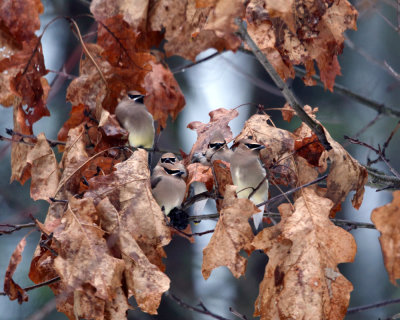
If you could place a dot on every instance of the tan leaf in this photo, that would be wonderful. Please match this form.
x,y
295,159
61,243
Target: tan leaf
x,y
144,280
219,120
11,288
74,157
45,172
84,262
134,12
200,173
128,189
163,95
304,32
190,30
20,169
302,280
232,234
387,221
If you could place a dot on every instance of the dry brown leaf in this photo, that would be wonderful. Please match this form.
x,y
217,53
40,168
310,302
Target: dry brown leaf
x,y
219,120
44,170
163,95
128,189
387,221
302,280
134,12
11,288
143,279
232,234
222,171
74,157
200,173
20,169
84,262
291,33
190,30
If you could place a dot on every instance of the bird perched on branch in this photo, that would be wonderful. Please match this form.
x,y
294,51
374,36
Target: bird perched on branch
x,y
218,149
249,175
168,186
134,117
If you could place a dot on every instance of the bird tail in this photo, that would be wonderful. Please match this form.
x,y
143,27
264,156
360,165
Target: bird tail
x,y
257,219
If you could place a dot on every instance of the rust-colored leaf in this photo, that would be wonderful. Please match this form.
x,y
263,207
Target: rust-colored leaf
x,y
219,120
310,149
302,280
190,30
128,189
144,280
232,234
302,33
11,288
200,173
45,172
20,169
78,115
287,112
387,221
163,95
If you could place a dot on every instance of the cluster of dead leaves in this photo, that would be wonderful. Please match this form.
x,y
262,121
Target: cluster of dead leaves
x,y
104,233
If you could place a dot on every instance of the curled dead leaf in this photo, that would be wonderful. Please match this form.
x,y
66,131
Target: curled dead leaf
x,y
232,234
387,221
302,280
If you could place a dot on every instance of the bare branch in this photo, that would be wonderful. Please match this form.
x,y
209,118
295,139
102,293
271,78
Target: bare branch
x,y
372,306
237,314
42,284
202,310
52,143
14,227
190,65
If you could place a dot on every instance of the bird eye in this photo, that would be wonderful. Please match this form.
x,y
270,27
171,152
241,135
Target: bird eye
x,y
168,160
254,146
216,145
136,97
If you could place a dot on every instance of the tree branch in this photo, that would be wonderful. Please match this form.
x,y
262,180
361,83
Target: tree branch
x,y
14,227
202,310
372,306
42,284
287,93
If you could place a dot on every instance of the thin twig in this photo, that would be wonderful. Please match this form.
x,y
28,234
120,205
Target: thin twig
x,y
42,284
287,93
372,306
372,104
202,310
198,197
237,314
15,227
377,151
194,233
52,143
190,65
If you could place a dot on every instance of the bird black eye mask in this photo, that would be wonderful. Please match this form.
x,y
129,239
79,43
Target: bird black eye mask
x,y
136,97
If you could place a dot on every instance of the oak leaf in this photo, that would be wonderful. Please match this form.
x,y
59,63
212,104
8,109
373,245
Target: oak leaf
x,y
143,279
191,28
163,95
84,261
128,189
11,288
44,170
302,280
386,219
292,33
219,120
232,234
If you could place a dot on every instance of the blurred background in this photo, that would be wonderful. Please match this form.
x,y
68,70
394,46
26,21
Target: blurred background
x,y
228,80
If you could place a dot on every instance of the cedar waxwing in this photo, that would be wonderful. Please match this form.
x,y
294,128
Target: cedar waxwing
x,y
167,158
218,149
167,185
248,175
134,117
